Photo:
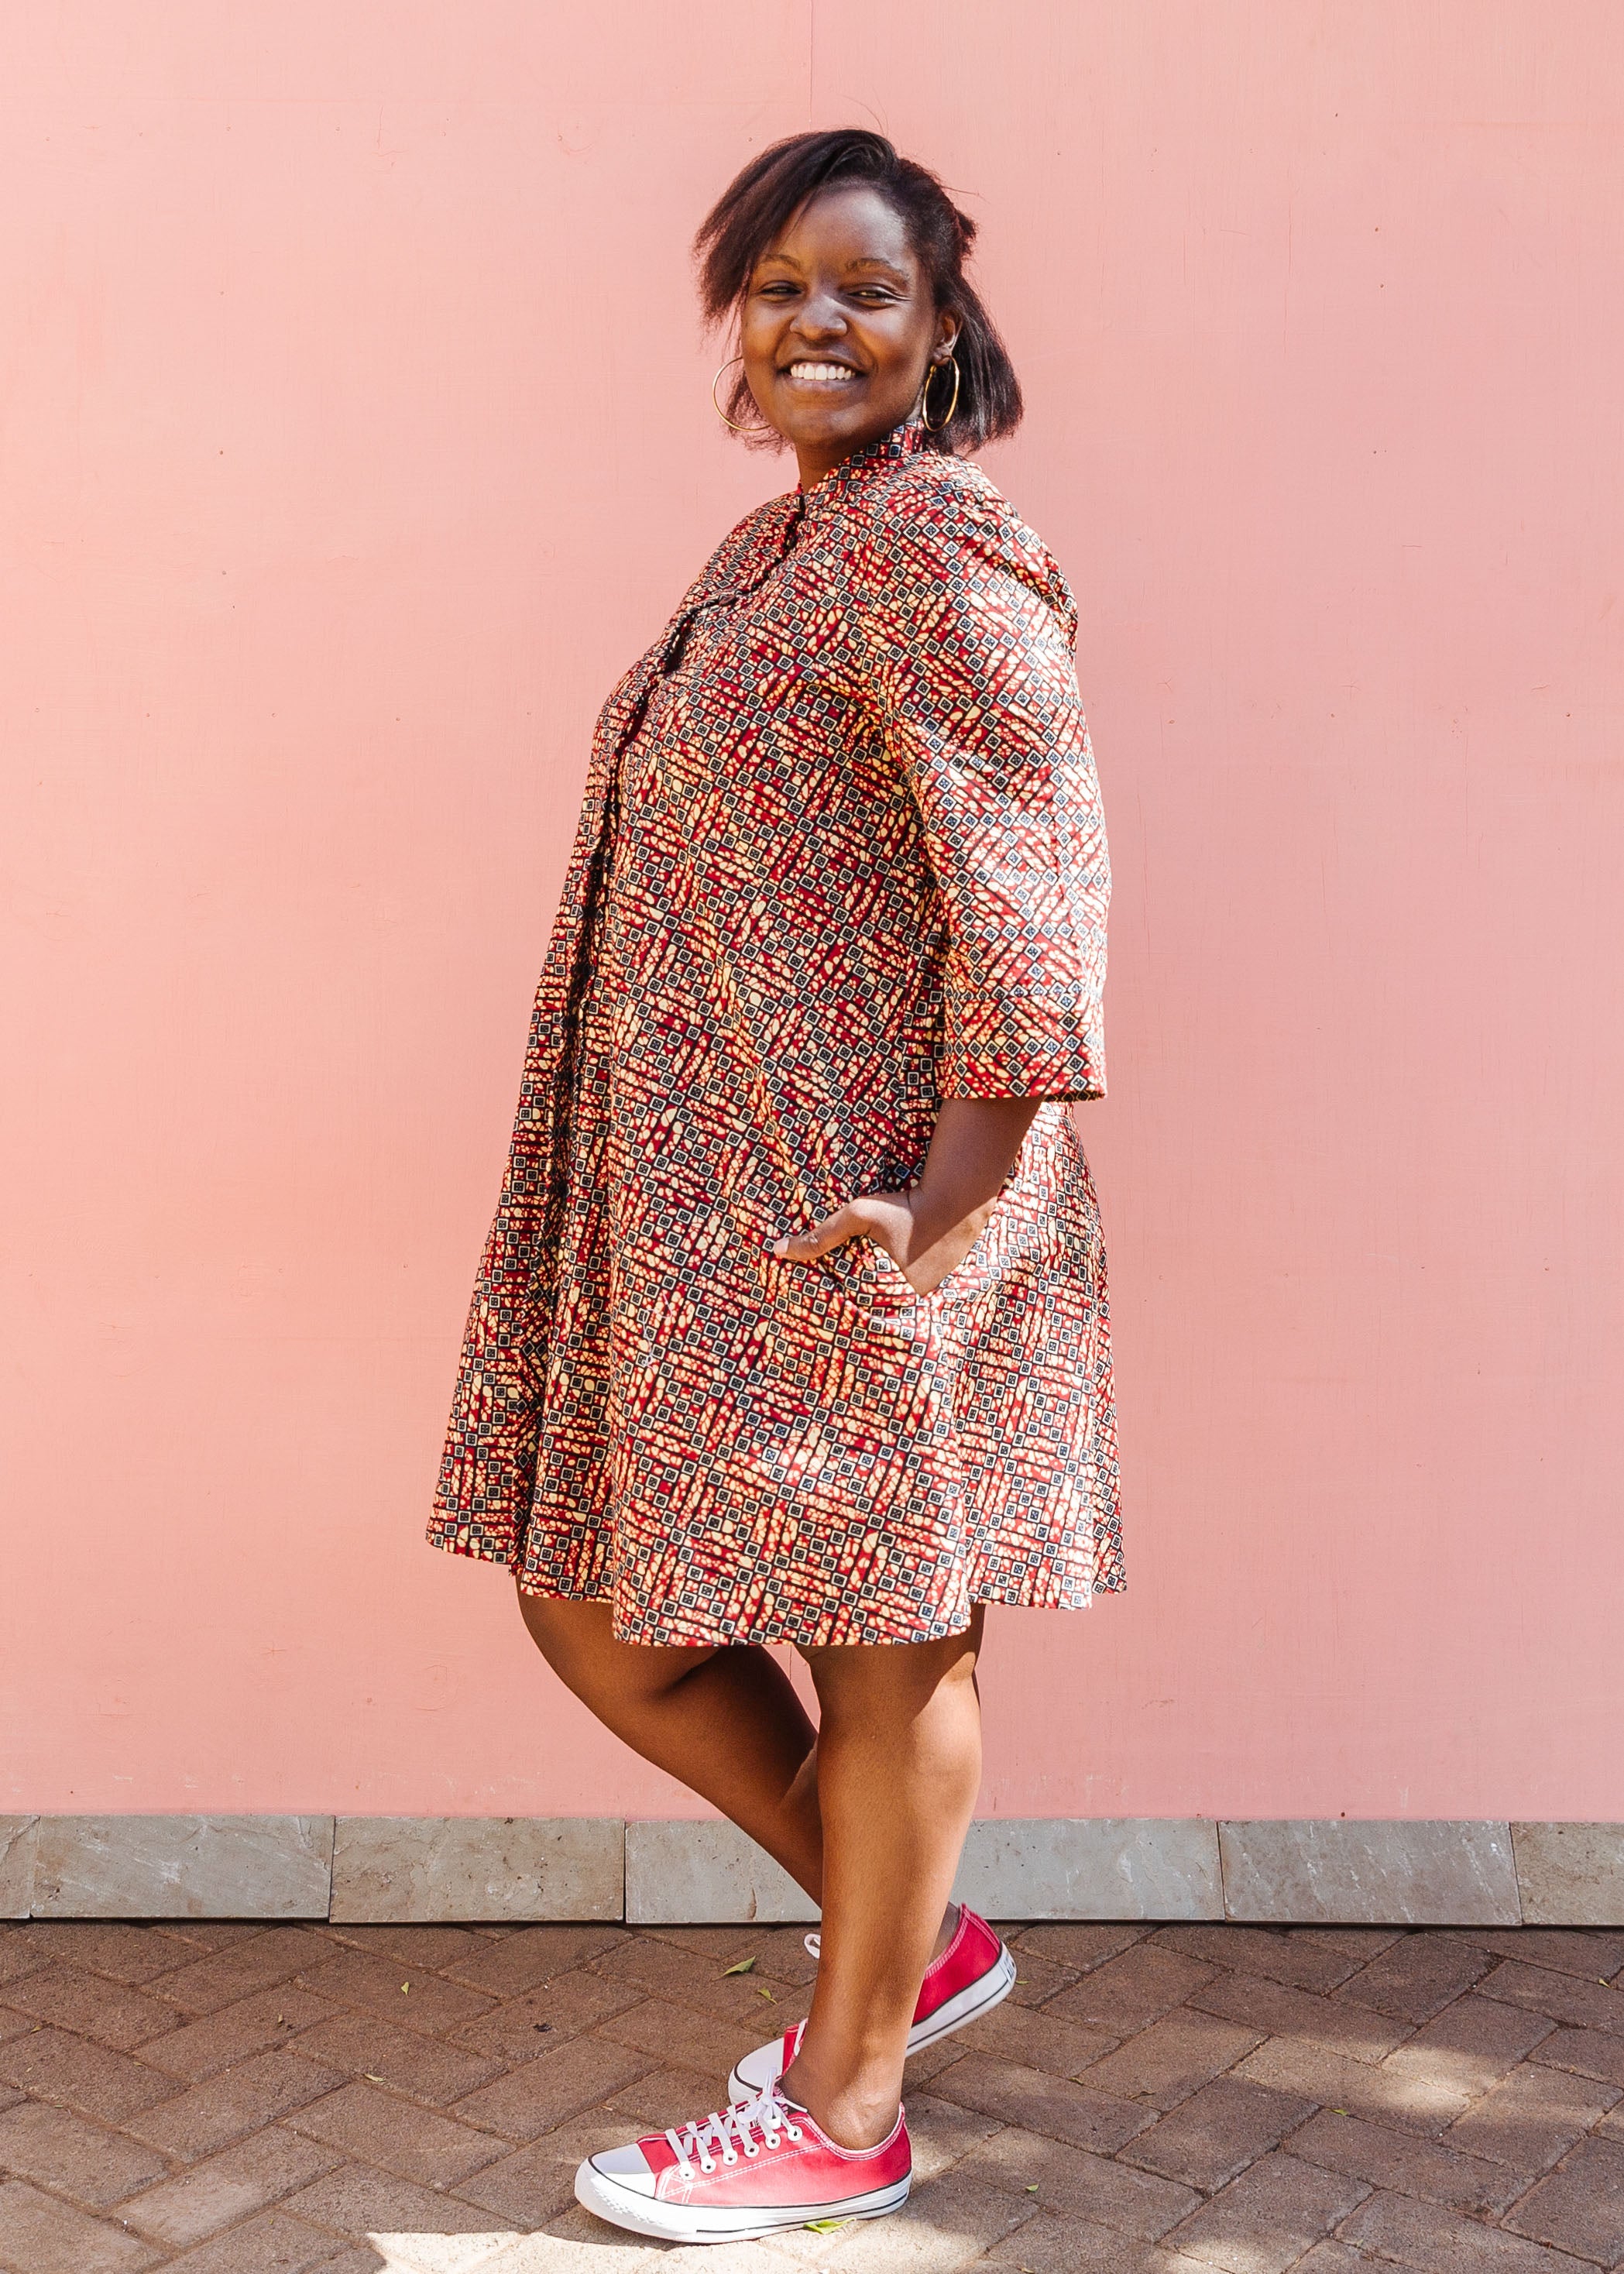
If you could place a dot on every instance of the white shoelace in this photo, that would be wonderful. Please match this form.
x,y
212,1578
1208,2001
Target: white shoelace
x,y
767,2114
814,1945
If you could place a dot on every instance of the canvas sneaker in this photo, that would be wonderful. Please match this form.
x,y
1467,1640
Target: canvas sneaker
x,y
973,1974
752,2169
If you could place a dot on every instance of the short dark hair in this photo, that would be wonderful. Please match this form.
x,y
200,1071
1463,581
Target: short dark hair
x,y
760,201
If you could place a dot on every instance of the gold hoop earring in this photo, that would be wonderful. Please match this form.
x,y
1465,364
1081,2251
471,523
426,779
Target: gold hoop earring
x,y
924,400
764,428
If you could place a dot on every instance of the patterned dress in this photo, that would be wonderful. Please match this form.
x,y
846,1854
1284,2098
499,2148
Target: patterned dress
x,y
841,854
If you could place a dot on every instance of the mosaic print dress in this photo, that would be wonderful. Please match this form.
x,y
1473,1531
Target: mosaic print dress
x,y
841,854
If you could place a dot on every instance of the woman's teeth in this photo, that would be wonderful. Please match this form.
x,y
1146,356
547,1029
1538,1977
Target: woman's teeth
x,y
835,371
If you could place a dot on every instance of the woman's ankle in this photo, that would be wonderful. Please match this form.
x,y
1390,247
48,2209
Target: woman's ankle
x,y
858,2114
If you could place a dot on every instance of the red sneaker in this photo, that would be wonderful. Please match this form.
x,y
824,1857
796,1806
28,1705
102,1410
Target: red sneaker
x,y
748,2170
973,1974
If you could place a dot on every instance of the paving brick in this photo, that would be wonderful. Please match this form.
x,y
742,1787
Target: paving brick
x,y
1439,2241
1036,2040
1565,1997
541,2093
536,2183
20,1954
203,2048
274,2244
1417,1977
59,2150
426,2068
1334,2258
40,2235
513,1964
53,2065
210,1934
1584,2052
14,2024
1071,2181
1047,2245
227,2188
942,2134
1467,2048
781,1953
257,1962
374,2127
723,1944
928,2064
1420,2102
1052,2105
1611,2125
660,2097
1409,2166
655,1969
575,2239
359,2200
1530,2118
128,1953
68,1997
1171,2059
1299,1956
671,2033
1579,2208
1263,2221
543,2018
946,2224
1591,1952
435,1949
1039,1979
1280,2011
1127,1993
1079,1943
1363,1941
206,2116
406,1995
1217,2132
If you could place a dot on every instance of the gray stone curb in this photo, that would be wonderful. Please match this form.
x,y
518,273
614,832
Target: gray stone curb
x,y
428,1870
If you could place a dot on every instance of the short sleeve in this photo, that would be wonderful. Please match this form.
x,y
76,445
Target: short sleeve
x,y
969,648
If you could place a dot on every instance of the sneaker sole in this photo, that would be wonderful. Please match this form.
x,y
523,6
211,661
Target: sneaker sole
x,y
673,2222
952,2013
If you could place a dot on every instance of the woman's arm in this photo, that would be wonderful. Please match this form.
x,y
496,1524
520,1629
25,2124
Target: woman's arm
x,y
930,1230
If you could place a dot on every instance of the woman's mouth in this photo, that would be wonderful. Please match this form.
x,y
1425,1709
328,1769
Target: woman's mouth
x,y
820,375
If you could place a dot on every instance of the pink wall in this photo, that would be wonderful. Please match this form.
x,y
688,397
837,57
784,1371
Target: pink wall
x,y
357,431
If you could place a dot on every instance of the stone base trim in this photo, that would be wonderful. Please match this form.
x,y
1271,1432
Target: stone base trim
x,y
432,1870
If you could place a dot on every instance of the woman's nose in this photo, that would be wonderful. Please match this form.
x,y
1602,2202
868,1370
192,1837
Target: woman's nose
x,y
822,317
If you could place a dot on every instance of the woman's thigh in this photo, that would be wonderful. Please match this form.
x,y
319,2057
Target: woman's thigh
x,y
888,1679
612,1677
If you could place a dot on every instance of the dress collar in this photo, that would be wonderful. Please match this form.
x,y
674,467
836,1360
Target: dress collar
x,y
836,486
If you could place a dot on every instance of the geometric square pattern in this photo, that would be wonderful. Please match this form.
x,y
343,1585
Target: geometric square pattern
x,y
841,854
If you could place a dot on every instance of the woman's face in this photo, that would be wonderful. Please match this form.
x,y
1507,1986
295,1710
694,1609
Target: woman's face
x,y
837,327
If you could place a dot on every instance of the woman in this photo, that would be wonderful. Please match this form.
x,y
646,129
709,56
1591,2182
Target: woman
x,y
792,1325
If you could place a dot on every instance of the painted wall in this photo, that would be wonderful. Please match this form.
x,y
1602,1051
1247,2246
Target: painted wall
x,y
357,431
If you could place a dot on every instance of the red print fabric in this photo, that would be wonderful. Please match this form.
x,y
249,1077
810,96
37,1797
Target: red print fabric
x,y
841,854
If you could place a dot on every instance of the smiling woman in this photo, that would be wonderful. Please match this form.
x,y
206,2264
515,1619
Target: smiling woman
x,y
792,1325
845,265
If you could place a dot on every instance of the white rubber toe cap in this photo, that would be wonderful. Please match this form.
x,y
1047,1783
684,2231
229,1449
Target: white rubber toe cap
x,y
627,2167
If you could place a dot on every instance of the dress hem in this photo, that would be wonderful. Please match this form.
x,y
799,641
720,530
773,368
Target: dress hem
x,y
801,1635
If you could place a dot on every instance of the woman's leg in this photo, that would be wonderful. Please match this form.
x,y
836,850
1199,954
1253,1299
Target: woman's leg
x,y
898,1763
726,1721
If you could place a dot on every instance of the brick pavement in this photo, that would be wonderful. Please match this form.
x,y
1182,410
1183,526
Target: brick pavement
x,y
240,2099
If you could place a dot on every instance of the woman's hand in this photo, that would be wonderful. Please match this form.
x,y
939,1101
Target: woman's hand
x,y
930,1230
